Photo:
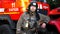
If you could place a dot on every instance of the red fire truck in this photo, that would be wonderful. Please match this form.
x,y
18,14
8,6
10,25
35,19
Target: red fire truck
x,y
11,10
55,20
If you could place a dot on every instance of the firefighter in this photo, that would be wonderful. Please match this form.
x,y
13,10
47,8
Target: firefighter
x,y
32,18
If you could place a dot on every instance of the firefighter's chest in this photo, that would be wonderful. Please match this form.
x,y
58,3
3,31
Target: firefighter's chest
x,y
31,19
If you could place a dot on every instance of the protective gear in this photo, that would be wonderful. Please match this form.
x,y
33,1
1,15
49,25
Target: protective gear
x,y
23,19
33,4
33,20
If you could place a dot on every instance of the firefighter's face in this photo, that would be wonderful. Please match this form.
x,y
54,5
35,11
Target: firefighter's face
x,y
32,8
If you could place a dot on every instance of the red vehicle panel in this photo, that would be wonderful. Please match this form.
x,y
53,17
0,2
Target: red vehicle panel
x,y
43,6
55,18
11,8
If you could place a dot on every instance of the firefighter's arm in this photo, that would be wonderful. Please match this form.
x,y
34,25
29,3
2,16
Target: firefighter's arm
x,y
19,24
44,18
42,23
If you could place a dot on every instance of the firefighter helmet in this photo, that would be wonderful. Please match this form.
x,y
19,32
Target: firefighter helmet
x,y
33,4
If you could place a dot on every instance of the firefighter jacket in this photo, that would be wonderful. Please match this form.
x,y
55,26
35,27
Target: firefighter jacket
x,y
25,17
